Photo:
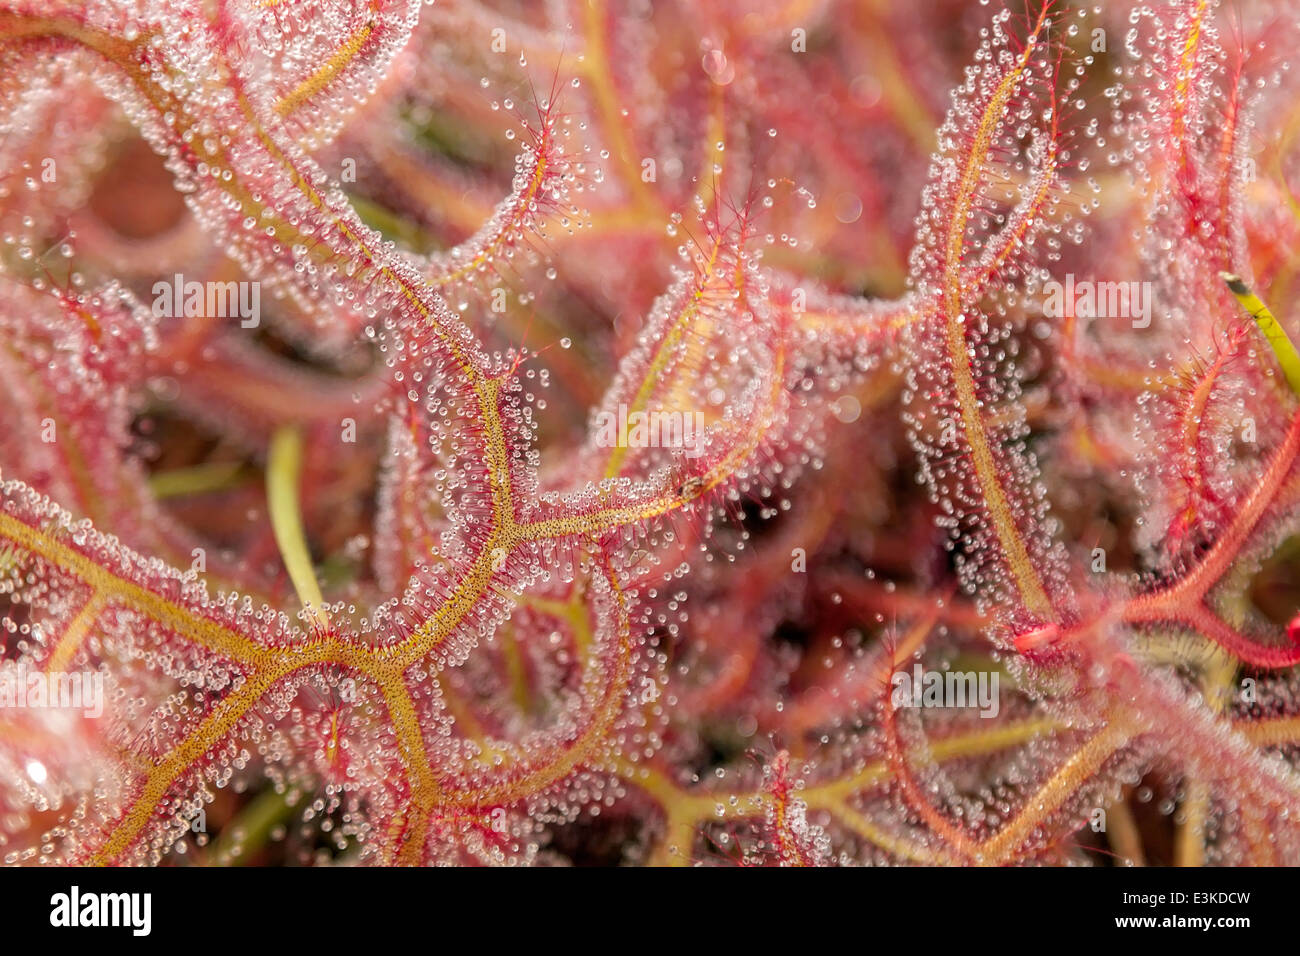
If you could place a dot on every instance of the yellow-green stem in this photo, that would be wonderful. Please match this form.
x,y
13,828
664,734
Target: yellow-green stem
x,y
209,476
1278,340
283,467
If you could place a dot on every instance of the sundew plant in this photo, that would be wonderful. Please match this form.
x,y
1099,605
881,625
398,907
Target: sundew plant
x,y
607,433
